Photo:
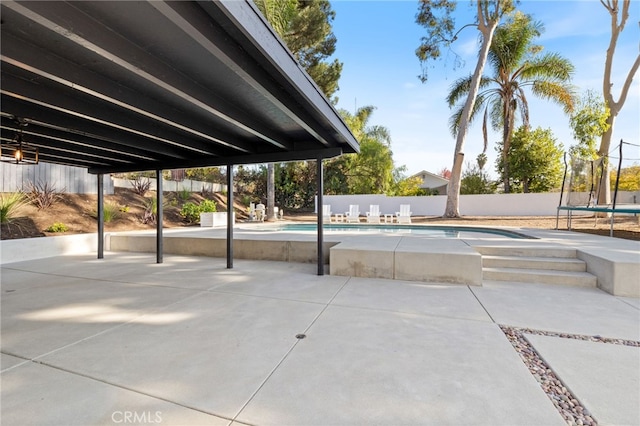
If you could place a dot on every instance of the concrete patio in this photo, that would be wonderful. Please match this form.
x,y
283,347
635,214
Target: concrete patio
x,y
188,342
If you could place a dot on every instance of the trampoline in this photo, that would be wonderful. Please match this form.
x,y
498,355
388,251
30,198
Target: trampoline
x,y
595,208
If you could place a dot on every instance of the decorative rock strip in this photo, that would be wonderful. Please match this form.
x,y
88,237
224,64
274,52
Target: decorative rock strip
x,y
567,404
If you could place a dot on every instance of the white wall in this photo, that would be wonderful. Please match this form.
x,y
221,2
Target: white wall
x,y
22,249
538,204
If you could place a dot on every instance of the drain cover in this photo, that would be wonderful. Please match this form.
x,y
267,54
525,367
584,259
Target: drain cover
x,y
300,336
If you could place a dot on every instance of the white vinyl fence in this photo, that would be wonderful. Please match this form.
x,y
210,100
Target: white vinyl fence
x,y
538,204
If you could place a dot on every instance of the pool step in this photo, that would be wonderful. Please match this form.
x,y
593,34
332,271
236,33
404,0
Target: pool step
x,y
541,265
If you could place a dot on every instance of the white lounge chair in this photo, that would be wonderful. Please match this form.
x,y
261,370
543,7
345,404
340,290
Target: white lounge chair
x,y
260,212
326,212
353,215
373,215
404,215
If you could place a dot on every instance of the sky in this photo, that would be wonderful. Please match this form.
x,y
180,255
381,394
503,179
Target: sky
x,y
376,41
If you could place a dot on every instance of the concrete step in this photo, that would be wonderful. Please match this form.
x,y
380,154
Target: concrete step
x,y
540,276
521,262
527,251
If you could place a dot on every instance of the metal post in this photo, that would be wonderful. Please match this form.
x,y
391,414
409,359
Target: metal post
x,y
564,178
230,216
320,187
615,190
100,216
159,202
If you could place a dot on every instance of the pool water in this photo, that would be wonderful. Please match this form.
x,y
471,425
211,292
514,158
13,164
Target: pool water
x,y
422,230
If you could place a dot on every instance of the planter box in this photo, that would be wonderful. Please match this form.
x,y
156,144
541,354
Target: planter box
x,y
214,219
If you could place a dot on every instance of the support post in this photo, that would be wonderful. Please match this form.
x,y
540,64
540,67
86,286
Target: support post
x,y
159,202
100,216
615,189
229,216
320,186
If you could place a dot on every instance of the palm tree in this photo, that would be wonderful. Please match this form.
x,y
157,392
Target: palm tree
x,y
370,171
516,63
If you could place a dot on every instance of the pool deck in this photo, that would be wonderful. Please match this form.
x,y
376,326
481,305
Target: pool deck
x,y
189,342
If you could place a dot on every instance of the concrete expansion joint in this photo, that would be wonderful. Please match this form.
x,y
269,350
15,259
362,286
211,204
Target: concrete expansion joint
x,y
564,400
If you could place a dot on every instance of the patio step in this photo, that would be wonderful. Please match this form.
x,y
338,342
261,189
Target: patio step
x,y
540,276
528,262
541,265
527,251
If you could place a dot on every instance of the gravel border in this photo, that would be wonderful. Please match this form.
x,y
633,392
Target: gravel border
x,y
569,407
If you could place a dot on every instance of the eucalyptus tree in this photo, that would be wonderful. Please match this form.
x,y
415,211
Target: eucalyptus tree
x,y
588,123
437,18
619,16
515,64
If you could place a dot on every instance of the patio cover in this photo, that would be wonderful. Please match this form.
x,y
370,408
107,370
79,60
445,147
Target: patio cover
x,y
128,86
134,85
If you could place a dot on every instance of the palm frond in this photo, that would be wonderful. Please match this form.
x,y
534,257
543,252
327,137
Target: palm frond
x,y
562,94
485,138
512,42
461,88
550,66
496,113
379,133
458,89
454,120
523,107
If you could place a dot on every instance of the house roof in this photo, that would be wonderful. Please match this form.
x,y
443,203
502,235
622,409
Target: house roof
x,y
431,175
124,86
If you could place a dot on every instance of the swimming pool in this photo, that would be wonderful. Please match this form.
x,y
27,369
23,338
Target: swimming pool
x,y
435,231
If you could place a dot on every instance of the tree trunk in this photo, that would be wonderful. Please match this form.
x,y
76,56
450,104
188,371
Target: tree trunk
x,y
271,192
604,196
453,190
487,26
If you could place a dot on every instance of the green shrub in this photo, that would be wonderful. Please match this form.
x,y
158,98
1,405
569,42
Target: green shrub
x,y
57,227
111,212
208,206
10,203
191,212
184,194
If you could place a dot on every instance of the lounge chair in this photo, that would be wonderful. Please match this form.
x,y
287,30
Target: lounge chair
x,y
353,215
373,215
326,212
260,212
404,215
